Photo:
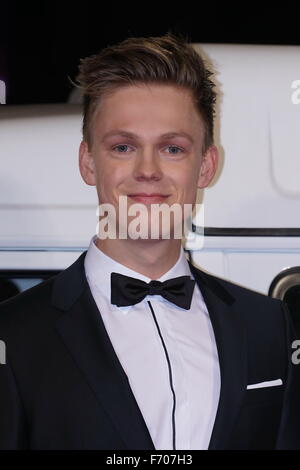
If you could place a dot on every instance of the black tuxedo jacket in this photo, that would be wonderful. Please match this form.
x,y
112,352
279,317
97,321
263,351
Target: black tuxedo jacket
x,y
63,387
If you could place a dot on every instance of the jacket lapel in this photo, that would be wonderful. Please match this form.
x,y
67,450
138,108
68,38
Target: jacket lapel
x,y
230,336
82,330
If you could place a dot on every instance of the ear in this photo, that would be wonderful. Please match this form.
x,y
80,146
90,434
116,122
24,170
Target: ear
x,y
86,164
208,166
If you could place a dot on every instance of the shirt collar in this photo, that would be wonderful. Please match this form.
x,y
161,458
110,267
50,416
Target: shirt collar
x,y
99,266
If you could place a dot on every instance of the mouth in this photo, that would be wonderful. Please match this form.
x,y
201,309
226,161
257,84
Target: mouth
x,y
153,198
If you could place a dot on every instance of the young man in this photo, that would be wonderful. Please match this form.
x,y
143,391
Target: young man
x,y
132,347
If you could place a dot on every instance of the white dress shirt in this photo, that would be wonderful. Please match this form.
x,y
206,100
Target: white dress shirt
x,y
189,339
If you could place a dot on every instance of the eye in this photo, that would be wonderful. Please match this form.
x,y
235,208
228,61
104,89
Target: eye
x,y
175,150
122,148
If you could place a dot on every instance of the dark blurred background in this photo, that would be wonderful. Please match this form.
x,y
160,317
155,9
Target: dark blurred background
x,y
41,42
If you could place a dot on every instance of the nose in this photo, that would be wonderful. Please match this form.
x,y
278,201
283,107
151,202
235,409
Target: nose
x,y
147,166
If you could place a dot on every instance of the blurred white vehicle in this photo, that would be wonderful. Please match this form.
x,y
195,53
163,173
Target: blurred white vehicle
x,y
251,209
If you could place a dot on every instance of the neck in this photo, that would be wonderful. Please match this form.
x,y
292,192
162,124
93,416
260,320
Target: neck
x,y
152,258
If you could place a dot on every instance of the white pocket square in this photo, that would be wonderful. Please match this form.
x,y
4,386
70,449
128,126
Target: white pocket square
x,y
270,383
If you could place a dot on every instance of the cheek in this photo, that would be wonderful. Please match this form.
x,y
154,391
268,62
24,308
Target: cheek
x,y
186,181
110,180
105,172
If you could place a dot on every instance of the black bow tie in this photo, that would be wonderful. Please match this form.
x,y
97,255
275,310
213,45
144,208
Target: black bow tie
x,y
127,290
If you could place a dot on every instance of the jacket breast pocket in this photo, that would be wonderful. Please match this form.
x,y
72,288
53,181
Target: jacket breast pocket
x,y
259,418
264,396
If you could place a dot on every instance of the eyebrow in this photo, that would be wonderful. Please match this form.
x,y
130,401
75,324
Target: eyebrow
x,y
134,136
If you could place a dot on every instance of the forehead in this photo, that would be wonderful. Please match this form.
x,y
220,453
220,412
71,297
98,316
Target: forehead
x,y
141,108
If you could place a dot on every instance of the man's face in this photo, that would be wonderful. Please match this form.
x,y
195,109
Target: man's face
x,y
147,145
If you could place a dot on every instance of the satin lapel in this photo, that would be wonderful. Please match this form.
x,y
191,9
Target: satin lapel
x,y
231,344
82,330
